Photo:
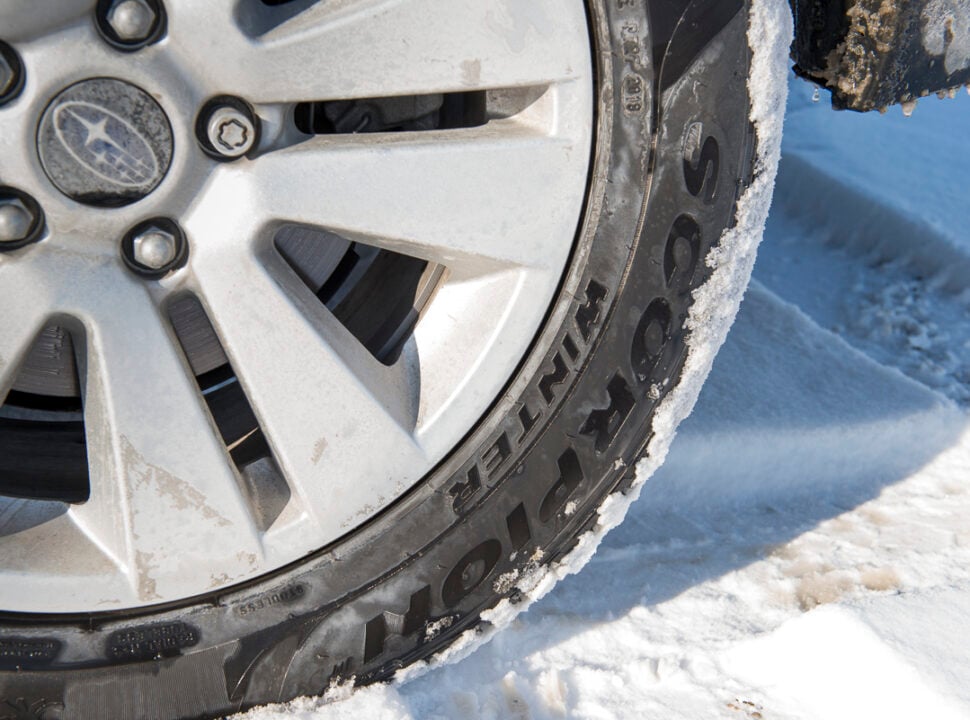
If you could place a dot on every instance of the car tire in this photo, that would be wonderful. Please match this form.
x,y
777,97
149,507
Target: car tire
x,y
481,535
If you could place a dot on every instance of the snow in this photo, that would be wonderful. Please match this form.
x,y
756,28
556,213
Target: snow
x,y
894,282
804,551
946,32
866,678
898,178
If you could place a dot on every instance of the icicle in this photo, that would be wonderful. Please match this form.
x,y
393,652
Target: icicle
x,y
908,107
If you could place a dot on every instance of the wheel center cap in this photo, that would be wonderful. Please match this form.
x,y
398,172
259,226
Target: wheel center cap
x,y
105,142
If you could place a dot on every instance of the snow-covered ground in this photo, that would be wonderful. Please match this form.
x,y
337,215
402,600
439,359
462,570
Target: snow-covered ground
x,y
805,550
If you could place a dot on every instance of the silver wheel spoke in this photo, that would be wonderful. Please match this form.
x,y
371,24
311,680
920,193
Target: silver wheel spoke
x,y
324,403
164,495
23,296
432,195
378,48
463,336
17,154
25,19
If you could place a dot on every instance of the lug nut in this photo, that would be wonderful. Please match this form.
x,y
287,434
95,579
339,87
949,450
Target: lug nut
x,y
130,24
227,128
231,132
11,73
21,219
154,248
132,20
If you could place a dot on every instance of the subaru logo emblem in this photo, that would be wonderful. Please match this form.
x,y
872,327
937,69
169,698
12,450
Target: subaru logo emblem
x,y
105,142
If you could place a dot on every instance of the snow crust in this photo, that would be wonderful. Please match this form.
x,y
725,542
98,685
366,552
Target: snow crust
x,y
804,551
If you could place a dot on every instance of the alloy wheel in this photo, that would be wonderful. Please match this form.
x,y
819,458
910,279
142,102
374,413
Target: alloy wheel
x,y
283,258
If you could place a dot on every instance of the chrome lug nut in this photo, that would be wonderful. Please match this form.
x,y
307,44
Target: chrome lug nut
x,y
132,20
227,128
154,248
11,73
130,24
21,219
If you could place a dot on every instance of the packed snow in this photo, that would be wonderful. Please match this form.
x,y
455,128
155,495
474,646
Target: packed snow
x,y
804,551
